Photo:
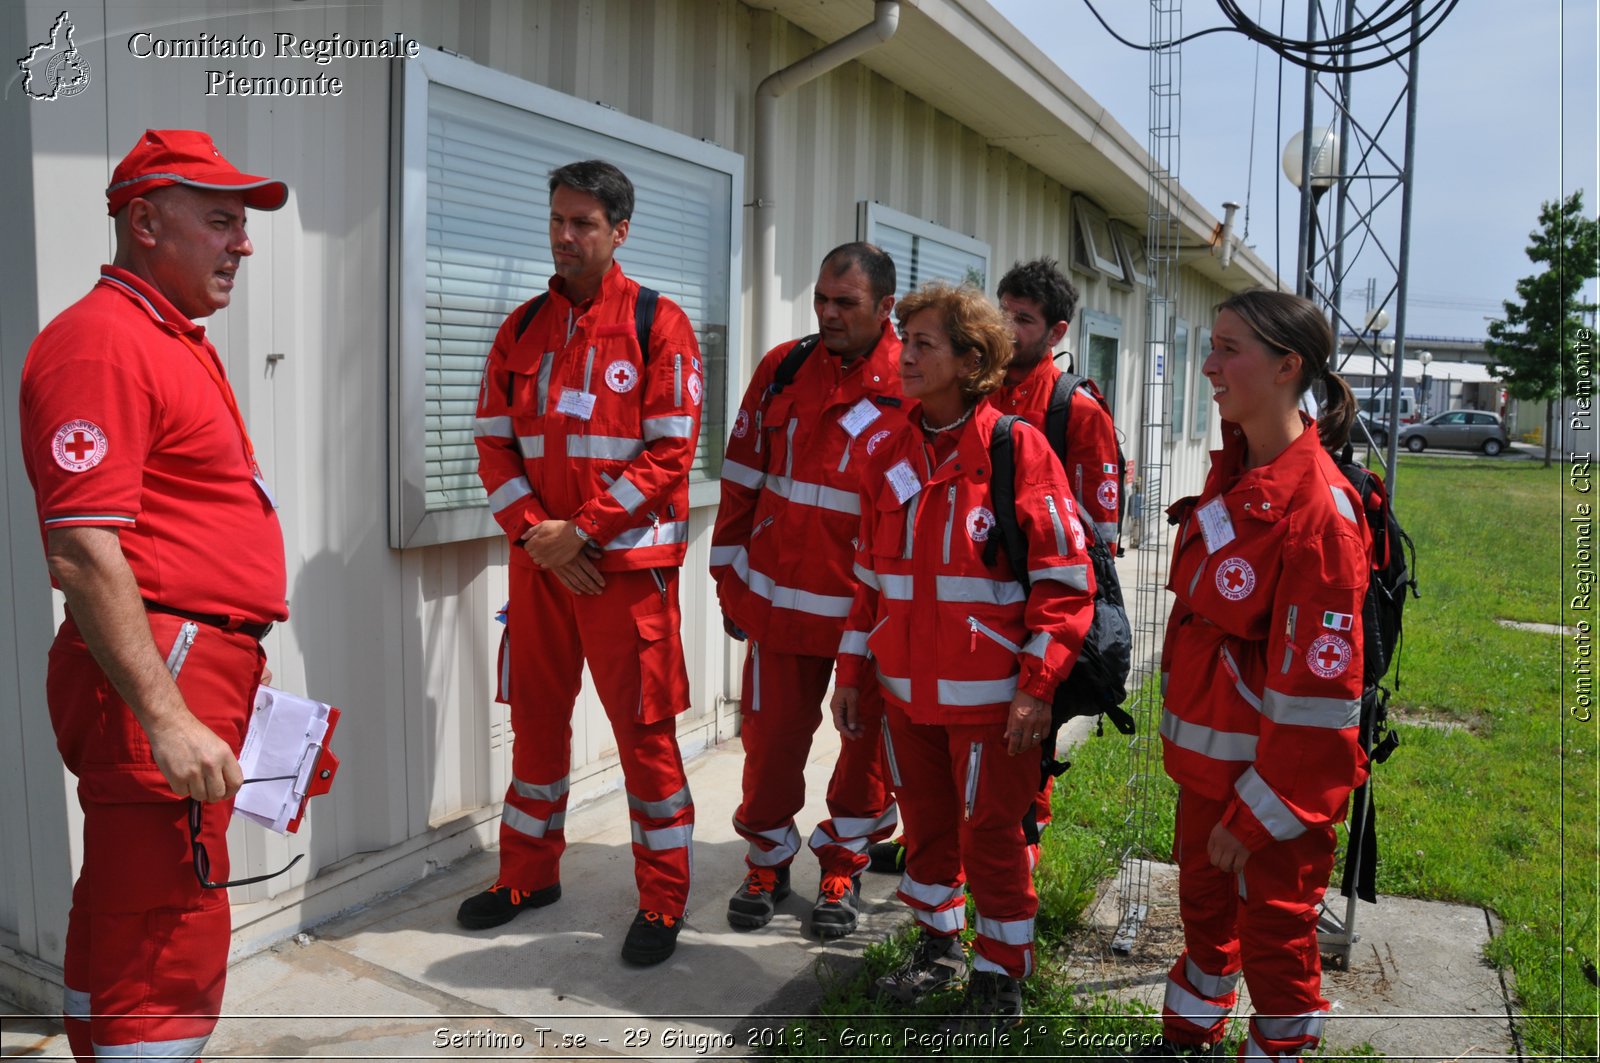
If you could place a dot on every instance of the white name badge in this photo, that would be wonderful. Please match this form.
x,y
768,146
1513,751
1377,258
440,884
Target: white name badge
x,y
860,416
1215,527
266,492
575,403
903,479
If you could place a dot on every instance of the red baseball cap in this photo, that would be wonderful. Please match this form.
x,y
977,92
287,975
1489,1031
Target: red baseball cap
x,y
186,157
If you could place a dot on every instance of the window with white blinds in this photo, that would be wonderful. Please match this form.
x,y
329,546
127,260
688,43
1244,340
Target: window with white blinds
x,y
477,148
923,251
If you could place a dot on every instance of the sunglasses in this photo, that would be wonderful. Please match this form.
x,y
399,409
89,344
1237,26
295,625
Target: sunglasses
x,y
202,859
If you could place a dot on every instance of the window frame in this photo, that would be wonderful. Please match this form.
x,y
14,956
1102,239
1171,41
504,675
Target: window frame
x,y
1200,427
870,214
1088,221
1176,428
411,523
1135,260
1093,323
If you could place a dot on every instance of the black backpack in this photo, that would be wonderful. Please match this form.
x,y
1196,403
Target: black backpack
x,y
1381,618
1098,682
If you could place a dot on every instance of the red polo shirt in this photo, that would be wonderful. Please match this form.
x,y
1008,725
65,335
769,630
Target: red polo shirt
x,y
123,427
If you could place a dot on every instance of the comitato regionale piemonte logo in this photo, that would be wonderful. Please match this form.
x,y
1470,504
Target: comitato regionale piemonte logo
x,y
55,69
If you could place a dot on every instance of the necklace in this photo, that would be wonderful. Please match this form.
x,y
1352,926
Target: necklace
x,y
957,423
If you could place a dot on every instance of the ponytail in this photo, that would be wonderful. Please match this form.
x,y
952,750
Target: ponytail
x,y
1336,417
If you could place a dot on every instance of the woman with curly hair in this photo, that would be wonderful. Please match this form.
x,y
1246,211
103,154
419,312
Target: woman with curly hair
x,y
968,658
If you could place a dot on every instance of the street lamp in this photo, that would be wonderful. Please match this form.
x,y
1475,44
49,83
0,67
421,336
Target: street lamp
x,y
1424,357
1310,168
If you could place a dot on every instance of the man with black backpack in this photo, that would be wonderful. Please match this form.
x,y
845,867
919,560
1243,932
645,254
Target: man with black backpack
x,y
782,556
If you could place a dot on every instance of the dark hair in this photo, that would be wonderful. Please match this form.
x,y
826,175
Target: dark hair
x,y
1042,281
871,260
1288,324
601,180
973,323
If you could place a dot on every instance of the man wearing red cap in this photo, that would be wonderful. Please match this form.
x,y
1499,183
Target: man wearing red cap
x,y
161,533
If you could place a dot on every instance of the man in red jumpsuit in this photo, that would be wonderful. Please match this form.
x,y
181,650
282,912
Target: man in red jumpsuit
x,y
584,446
781,554
143,472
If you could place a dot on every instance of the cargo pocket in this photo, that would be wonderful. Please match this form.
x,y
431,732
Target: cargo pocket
x,y
663,677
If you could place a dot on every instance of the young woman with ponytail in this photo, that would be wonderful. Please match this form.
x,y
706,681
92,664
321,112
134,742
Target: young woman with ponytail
x,y
1261,680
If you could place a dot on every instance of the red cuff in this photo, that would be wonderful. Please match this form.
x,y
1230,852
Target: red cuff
x,y
1240,822
849,670
1033,679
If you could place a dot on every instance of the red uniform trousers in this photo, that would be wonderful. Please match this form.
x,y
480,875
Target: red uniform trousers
x,y
964,798
1266,918
780,710
147,947
629,635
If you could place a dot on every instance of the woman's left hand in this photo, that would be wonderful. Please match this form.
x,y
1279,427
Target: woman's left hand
x,y
1027,722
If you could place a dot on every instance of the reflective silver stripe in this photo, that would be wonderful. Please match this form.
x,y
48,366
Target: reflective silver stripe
x,y
949,921
677,379
788,460
509,494
1055,521
854,642
665,838
743,475
664,808
1193,1009
547,361
726,555
1218,745
974,763
949,523
626,494
1342,504
1253,1051
588,371
835,606
1245,692
604,448
495,427
75,1004
1009,932
786,843
977,590
888,755
532,826
1267,806
667,428
755,679
1334,713
531,446
91,516
900,689
933,895
1105,531
844,462
894,586
821,496
992,635
1038,644
1290,1027
866,575
911,524
186,1048
980,963
542,792
1074,576
1212,985
861,826
968,692
651,535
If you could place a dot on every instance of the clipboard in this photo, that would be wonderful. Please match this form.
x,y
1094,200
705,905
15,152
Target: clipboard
x,y
287,753
324,767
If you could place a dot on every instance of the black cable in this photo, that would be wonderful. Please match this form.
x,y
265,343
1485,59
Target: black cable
x,y
1156,47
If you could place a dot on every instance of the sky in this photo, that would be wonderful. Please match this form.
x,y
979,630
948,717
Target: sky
x,y
1496,134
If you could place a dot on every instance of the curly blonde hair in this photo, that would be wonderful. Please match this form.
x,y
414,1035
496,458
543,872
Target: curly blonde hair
x,y
972,322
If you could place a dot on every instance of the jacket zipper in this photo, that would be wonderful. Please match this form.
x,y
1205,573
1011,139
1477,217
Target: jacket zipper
x,y
974,759
911,522
542,382
181,646
758,431
1288,638
655,530
588,371
761,527
978,627
1055,519
844,461
677,380
949,523
788,458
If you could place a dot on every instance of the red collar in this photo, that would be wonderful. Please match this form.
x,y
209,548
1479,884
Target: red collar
x,y
1274,482
612,286
1041,377
140,291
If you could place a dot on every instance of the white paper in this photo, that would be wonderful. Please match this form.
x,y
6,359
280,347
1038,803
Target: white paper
x,y
860,416
285,738
1215,527
903,479
579,404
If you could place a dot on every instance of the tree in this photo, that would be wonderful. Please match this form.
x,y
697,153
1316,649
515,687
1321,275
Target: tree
x,y
1536,347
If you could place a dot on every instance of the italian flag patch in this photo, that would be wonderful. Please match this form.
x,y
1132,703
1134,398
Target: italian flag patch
x,y
1109,467
1336,621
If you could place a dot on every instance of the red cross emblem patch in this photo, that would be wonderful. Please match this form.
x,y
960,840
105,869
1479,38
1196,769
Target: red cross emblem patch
x,y
694,388
79,446
741,424
980,522
1328,656
621,377
1106,495
1235,579
877,437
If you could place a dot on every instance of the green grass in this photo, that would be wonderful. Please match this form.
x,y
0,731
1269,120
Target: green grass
x,y
1500,812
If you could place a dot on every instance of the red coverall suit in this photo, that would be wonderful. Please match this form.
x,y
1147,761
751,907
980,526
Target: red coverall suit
x,y
954,640
575,424
1261,673
782,559
125,427
1092,472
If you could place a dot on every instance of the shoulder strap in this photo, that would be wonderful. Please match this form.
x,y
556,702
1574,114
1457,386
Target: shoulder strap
x,y
530,313
793,359
1003,491
644,317
1055,415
